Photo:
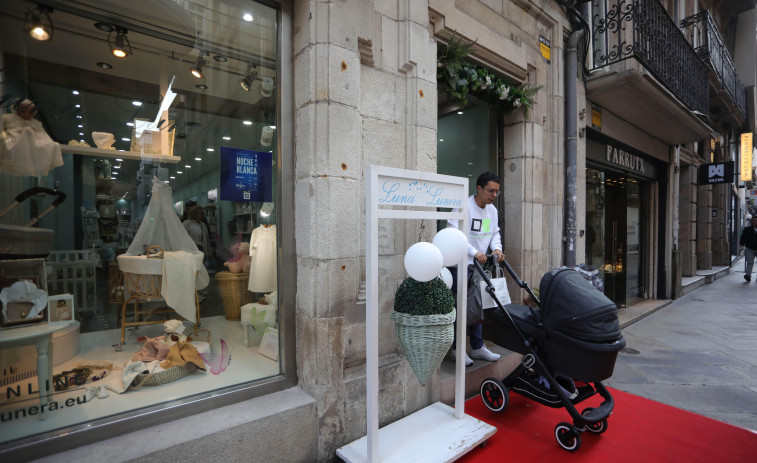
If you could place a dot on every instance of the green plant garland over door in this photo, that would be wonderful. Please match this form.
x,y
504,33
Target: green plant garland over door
x,y
457,78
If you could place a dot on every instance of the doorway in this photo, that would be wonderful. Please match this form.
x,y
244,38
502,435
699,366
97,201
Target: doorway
x,y
616,233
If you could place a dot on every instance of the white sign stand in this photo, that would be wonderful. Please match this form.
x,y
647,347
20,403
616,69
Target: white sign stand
x,y
437,433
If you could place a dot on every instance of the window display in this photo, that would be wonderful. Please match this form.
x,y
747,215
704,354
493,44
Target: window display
x,y
149,284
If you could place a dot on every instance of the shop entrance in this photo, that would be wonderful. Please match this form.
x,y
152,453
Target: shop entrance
x,y
616,233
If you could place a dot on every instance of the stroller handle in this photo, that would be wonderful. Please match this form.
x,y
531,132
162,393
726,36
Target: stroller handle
x,y
61,196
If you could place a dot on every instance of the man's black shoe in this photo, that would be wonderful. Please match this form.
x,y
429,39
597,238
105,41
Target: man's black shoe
x,y
748,278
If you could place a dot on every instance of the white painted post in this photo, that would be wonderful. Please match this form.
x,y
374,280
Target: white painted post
x,y
371,306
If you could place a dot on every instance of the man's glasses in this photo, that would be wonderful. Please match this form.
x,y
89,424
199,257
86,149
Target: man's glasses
x,y
492,191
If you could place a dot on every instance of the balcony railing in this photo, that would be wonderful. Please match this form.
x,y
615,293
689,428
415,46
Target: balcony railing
x,y
642,29
703,35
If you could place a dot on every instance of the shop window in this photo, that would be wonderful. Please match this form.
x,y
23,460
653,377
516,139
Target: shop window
x,y
158,272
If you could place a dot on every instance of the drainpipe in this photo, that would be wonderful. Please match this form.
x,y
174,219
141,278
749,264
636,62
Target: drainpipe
x,y
571,139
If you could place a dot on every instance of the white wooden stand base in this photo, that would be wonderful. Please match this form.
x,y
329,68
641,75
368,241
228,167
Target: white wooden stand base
x,y
431,434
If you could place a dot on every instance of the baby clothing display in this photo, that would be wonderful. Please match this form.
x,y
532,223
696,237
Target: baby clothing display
x,y
27,296
25,147
263,270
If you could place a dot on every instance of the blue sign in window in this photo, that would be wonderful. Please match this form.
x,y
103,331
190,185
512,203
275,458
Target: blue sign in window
x,y
246,175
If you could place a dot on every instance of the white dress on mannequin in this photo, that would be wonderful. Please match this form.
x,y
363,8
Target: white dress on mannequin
x,y
26,149
263,269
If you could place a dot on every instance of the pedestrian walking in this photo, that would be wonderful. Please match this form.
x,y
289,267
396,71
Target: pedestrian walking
x,y
748,241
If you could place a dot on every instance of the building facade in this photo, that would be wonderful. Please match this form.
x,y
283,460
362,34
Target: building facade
x,y
602,171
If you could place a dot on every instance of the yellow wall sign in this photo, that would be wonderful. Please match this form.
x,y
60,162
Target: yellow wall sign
x,y
596,118
746,157
545,47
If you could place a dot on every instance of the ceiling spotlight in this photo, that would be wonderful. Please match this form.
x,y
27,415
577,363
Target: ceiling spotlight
x,y
198,159
120,46
202,86
105,27
247,17
249,77
196,70
38,23
220,58
104,65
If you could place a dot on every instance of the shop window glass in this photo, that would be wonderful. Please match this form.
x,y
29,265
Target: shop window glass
x,y
187,117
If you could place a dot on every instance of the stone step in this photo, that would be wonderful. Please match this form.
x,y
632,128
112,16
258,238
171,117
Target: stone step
x,y
476,373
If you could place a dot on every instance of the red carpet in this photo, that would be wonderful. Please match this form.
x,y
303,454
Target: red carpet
x,y
639,430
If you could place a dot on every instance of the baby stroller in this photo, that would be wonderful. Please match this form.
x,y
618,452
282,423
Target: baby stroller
x,y
573,335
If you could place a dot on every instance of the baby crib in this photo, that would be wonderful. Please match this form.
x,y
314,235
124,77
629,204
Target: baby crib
x,y
143,277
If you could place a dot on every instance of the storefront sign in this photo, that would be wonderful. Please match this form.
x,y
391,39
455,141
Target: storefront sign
x,y
624,159
546,49
629,161
719,172
246,175
746,157
418,192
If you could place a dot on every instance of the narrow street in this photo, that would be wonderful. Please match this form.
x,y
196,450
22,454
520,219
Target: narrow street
x,y
698,353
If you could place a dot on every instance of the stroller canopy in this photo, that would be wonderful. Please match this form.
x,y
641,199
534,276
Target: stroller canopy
x,y
573,307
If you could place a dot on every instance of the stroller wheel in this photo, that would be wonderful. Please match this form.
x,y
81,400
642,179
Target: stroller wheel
x,y
494,394
568,436
597,428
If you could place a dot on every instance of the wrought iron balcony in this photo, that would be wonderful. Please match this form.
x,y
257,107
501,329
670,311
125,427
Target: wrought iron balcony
x,y
703,35
643,30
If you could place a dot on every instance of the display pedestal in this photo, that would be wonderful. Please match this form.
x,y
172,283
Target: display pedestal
x,y
432,434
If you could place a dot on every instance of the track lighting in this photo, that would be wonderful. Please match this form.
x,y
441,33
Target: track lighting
x,y
249,78
120,46
266,87
38,23
196,70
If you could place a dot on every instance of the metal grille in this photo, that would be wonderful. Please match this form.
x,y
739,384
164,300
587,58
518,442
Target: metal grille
x,y
642,29
703,35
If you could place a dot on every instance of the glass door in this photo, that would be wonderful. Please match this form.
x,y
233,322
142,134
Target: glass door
x,y
615,233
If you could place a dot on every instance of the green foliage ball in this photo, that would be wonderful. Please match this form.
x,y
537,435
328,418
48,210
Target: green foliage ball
x,y
424,298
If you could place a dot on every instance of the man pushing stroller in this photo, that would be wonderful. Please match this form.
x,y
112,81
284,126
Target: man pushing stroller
x,y
483,235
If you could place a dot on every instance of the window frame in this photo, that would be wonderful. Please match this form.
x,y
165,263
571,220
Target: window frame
x,y
78,435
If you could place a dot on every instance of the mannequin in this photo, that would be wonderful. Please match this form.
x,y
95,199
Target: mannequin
x,y
25,147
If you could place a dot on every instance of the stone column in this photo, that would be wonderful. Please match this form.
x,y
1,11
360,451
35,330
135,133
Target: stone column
x,y
687,232
365,93
704,227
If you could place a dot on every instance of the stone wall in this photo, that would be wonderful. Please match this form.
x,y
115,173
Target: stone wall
x,y
365,93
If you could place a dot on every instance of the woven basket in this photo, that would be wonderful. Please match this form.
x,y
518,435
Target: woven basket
x,y
202,335
234,293
163,377
425,340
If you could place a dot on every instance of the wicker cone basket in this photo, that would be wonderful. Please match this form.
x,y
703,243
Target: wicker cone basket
x,y
425,340
234,293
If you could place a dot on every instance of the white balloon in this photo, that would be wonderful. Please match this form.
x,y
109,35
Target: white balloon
x,y
423,261
447,277
453,244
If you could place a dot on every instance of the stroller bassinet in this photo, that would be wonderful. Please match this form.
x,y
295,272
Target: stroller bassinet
x,y
574,333
576,325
